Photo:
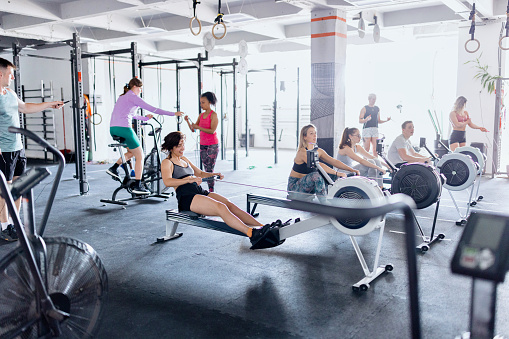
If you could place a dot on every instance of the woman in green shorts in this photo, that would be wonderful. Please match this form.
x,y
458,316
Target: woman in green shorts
x,y
120,125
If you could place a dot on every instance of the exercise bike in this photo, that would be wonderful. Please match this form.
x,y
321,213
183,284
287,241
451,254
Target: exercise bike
x,y
51,287
151,178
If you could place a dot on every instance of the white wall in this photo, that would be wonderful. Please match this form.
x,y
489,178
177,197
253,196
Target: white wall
x,y
418,74
481,104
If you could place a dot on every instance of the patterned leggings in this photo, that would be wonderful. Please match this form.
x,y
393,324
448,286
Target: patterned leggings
x,y
208,155
311,183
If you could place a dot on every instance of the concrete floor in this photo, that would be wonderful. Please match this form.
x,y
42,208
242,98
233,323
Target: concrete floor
x,y
209,284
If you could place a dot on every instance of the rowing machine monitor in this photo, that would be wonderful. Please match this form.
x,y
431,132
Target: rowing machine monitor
x,y
422,144
483,249
380,146
313,160
312,157
482,254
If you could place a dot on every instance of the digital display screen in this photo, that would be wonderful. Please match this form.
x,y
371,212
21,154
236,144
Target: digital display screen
x,y
488,233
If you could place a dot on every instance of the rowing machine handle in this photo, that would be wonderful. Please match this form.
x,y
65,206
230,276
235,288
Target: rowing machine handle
x,y
215,177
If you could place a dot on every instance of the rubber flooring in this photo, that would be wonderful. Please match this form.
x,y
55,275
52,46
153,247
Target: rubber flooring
x,y
209,284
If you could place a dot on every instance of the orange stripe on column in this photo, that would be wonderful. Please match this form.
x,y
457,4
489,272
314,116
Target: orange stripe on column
x,y
321,35
328,18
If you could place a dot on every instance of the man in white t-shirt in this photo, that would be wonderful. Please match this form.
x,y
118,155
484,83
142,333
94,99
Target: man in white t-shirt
x,y
401,149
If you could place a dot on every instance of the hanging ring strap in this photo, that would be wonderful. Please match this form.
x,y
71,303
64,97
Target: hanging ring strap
x,y
195,2
472,32
506,31
219,21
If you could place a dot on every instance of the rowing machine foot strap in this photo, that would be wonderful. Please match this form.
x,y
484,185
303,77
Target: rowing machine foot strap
x,y
270,239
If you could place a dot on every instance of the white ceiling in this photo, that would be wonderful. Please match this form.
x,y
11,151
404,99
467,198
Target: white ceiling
x,y
280,25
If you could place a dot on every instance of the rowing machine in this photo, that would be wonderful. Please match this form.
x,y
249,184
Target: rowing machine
x,y
480,159
424,185
460,170
348,189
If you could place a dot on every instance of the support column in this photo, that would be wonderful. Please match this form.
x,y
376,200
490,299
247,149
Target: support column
x,y
481,105
17,85
79,115
328,63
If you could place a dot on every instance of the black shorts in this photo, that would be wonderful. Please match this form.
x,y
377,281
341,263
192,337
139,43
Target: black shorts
x,y
185,200
458,136
13,164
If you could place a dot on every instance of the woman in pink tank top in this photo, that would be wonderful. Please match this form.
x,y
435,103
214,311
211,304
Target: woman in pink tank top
x,y
207,124
460,120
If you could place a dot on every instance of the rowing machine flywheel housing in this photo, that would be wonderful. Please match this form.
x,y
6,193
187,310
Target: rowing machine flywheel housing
x,y
419,181
355,188
474,153
459,170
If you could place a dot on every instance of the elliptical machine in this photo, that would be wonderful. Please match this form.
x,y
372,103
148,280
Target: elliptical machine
x,y
151,178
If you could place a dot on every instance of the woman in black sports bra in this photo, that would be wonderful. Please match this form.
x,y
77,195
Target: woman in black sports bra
x,y
180,173
305,180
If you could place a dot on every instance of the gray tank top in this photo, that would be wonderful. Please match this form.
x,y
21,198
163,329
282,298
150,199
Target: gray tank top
x,y
180,172
345,159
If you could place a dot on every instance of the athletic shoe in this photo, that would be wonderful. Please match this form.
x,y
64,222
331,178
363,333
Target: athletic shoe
x,y
266,237
277,223
9,234
140,190
113,172
258,234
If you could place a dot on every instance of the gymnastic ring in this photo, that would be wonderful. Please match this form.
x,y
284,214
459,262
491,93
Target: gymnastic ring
x,y
475,50
191,25
95,115
213,27
500,44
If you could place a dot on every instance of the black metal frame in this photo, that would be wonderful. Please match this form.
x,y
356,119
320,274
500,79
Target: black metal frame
x,y
79,111
222,73
274,108
135,59
177,63
78,102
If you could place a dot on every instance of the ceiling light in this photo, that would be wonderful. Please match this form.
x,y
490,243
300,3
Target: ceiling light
x,y
369,2
238,17
147,30
85,40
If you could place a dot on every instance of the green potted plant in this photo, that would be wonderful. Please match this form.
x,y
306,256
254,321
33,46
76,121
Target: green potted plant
x,y
482,74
